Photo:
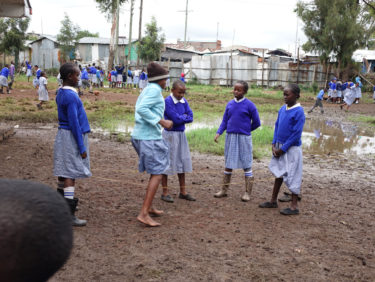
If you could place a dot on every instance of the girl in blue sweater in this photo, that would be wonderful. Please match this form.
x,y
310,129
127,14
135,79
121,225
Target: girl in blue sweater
x,y
286,163
177,110
240,119
71,148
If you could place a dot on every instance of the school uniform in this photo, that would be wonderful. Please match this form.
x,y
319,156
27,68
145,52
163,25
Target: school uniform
x,y
142,80
136,77
339,89
37,76
332,90
240,119
113,76
42,90
29,69
287,137
147,138
72,136
4,77
318,102
373,96
119,71
358,90
85,79
130,77
180,113
351,94
344,89
94,78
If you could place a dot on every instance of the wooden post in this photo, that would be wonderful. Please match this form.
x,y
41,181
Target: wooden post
x,y
298,65
190,71
262,68
182,65
169,63
231,68
269,73
210,77
314,75
227,72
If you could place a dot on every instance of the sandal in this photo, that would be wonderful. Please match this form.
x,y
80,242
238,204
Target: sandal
x,y
167,198
186,197
289,211
268,205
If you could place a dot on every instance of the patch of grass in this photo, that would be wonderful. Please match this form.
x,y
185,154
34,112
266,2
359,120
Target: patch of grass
x,y
364,119
202,140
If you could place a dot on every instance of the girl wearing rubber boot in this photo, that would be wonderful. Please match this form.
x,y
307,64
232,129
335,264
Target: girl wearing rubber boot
x,y
240,119
286,163
71,149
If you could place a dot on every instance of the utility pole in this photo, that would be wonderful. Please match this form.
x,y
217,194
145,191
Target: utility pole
x,y
217,32
130,30
186,16
140,27
117,60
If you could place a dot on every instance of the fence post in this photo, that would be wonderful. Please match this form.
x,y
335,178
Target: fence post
x,y
262,68
227,72
298,65
210,77
269,73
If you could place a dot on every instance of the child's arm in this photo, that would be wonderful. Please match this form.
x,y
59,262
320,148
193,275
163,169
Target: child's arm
x,y
223,125
75,126
178,119
144,108
296,131
255,120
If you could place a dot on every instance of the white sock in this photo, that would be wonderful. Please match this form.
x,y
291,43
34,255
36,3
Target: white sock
x,y
248,173
69,192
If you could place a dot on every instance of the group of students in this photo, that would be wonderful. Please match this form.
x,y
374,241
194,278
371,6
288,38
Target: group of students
x,y
7,72
164,153
345,94
120,78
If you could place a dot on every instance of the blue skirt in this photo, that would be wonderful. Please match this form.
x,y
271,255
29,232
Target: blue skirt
x,y
153,155
68,162
179,152
238,151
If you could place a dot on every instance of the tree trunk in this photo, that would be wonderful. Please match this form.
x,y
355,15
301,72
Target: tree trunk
x,y
112,40
130,32
16,58
140,28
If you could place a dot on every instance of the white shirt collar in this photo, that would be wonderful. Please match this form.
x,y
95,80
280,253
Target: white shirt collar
x,y
292,107
240,100
177,101
70,88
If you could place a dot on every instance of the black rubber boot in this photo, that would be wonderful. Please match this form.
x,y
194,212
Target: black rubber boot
x,y
72,205
61,192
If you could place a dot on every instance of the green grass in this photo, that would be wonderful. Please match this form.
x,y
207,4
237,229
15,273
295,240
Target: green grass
x,y
202,140
370,120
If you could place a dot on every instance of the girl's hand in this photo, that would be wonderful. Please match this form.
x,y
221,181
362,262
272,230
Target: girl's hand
x,y
278,152
168,124
84,155
217,137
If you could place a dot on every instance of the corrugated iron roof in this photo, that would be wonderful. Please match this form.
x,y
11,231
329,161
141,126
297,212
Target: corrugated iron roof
x,y
101,40
359,55
50,37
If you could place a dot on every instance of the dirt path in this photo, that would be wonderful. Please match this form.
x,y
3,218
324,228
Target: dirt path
x,y
210,239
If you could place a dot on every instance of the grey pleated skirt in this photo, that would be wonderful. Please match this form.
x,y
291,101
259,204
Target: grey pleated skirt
x,y
238,151
3,81
68,162
153,155
289,167
179,152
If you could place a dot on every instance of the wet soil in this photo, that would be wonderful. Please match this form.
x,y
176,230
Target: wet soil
x,y
210,239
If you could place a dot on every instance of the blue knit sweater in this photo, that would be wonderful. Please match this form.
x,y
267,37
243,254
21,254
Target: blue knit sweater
x,y
72,115
179,113
240,118
289,127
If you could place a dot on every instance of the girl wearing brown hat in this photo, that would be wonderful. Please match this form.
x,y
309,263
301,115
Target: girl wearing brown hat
x,y
147,138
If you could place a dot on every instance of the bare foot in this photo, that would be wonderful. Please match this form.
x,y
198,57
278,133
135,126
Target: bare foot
x,y
155,212
148,221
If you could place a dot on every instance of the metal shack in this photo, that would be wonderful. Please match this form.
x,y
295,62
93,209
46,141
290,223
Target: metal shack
x,y
45,52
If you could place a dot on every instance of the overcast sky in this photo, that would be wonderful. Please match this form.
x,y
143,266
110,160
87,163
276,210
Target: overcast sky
x,y
253,23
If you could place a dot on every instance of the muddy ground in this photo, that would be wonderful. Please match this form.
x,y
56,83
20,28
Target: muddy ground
x,y
210,239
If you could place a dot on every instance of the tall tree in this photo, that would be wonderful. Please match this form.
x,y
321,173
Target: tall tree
x,y
150,46
66,38
13,36
333,28
85,33
109,7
